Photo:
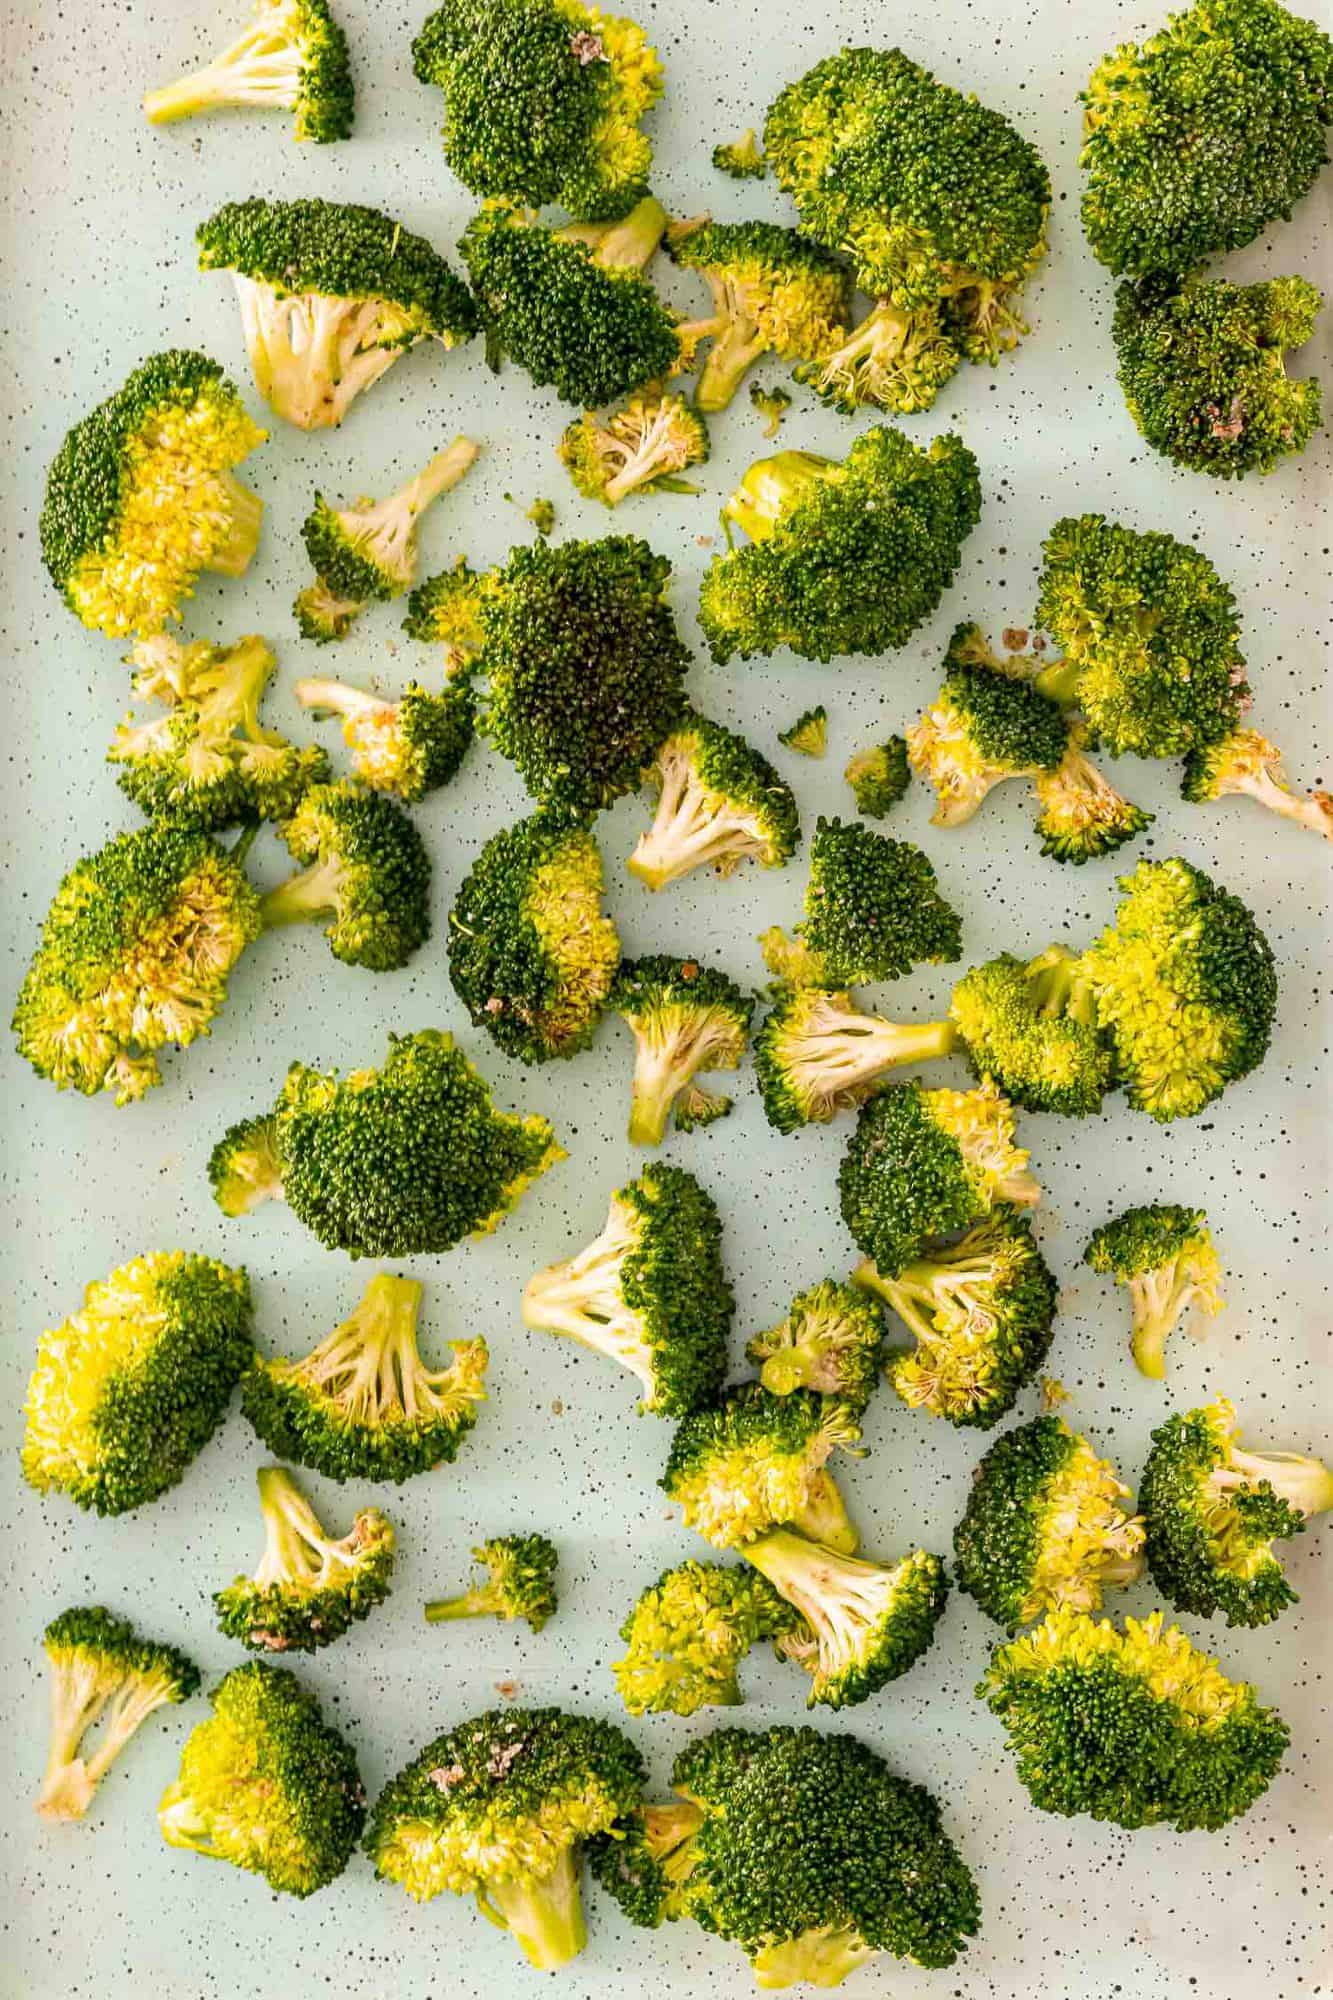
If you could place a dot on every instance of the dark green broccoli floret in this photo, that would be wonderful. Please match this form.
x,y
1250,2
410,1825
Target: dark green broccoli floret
x,y
862,1624
1245,764
689,1632
817,1053
407,747
986,724
101,1672
719,802
879,777
872,911
771,404
1033,1029
370,550
741,159
520,1583
292,57
752,1461
308,1589
687,1019
774,292
643,447
649,1292
1165,1255
808,735
366,869
831,1341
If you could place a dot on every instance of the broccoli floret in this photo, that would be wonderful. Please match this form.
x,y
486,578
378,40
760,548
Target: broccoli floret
x,y
370,550
719,802
141,497
1245,764
872,911
322,616
331,294
267,1784
308,1589
134,955
292,57
879,777
831,1341
818,1053
687,1019
1198,137
445,611
774,292
862,1625
541,514
644,447
1185,988
741,159
1165,1255
543,98
396,1162
407,747
531,954
808,735
689,1632
980,1312
1136,1727
1213,1512
771,404
363,1404
1202,368
844,556
499,1808
101,1671
752,1461
986,724
520,1583
650,1292
1033,1029
365,868
1082,814
1045,1526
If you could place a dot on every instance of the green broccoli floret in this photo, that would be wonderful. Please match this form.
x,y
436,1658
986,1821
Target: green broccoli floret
x,y
879,777
541,514
543,98
363,1404
1197,138
980,1312
1136,1727
862,1624
1082,815
401,1161
499,1808
365,868
643,447
267,1784
1213,1512
101,1671
831,1341
1245,764
1033,1029
650,1292
719,802
808,735
292,57
308,1589
407,747
741,159
322,616
331,294
771,404
751,1461
774,292
986,724
817,1053
520,1583
1045,1527
872,911
686,1019
844,556
1165,1255
134,955
369,551
141,497
689,1632
445,611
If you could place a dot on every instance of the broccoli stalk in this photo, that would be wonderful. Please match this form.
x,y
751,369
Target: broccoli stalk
x,y
292,57
545,1914
818,1053
519,1584
100,1671
1245,764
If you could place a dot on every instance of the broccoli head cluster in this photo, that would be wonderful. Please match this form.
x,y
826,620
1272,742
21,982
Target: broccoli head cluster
x,y
105,1683
751,1461
687,1020
831,1341
688,1634
310,1587
873,910
719,802
520,1583
366,871
773,292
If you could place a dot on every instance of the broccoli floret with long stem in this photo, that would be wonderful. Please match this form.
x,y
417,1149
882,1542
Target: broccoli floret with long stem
x,y
741,159
773,291
309,1588
1213,1512
406,747
365,868
862,1623
1164,1254
322,616
1244,764
520,1583
771,404
1082,814
831,1341
643,447
808,735
101,1673
751,1461
817,1053
719,802
687,1019
370,550
649,1292
879,777
986,724
689,1632
1033,1029
873,910
890,360
292,57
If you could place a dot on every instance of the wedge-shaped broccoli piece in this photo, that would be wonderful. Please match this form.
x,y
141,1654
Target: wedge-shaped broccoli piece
x,y
771,404
363,1404
1136,1727
1045,1527
817,1053
396,1162
987,723
322,616
1033,1029
125,1393
741,159
774,292
879,777
1213,1512
689,1632
862,1623
1165,1255
309,1588
370,550
687,1019
808,735
752,1461
649,1292
872,911
543,98
365,868
1246,765
142,497
843,556
643,447
267,1784
1255,81
1082,816
134,955
831,1341
101,1672
980,1312
499,1808
292,57
331,294
406,747
532,956
520,1583
719,802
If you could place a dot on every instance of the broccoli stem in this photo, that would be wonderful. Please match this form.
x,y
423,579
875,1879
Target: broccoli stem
x,y
1303,1483
844,1052
79,1693
768,489
130,1706
582,1299
545,1916
389,528
665,1059
245,512
262,67
837,1595
1059,682
628,245
330,697
823,1517
295,1546
312,893
1061,988
479,1602
1158,1299
1265,785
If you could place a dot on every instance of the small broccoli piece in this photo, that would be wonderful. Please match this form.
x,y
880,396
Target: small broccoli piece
x,y
101,1671
771,404
980,1313
808,735
366,868
1185,988
331,294
644,447
986,724
1033,1029
1045,1527
872,911
862,1625
751,1461
407,747
649,1292
1198,137
445,611
322,616
1082,814
686,1019
1165,1255
1213,1512
520,1583
292,57
719,802
831,1341
774,292
879,777
817,1053
267,1784
844,556
1136,1727
369,551
741,159
1245,764
363,1404
245,1169
541,514
308,1589
142,497
688,1633
499,1808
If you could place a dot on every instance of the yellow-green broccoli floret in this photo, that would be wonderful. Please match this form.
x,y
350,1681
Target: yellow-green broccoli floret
x,y
370,550
406,747
771,404
831,1341
1082,814
292,57
817,1053
687,1019
520,1583
879,777
101,1672
872,910
445,611
862,1624
366,870
808,735
322,616
986,724
751,1461
309,1588
719,802
741,159
1033,1029
643,447
1244,764
688,1633
1165,1255
774,292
